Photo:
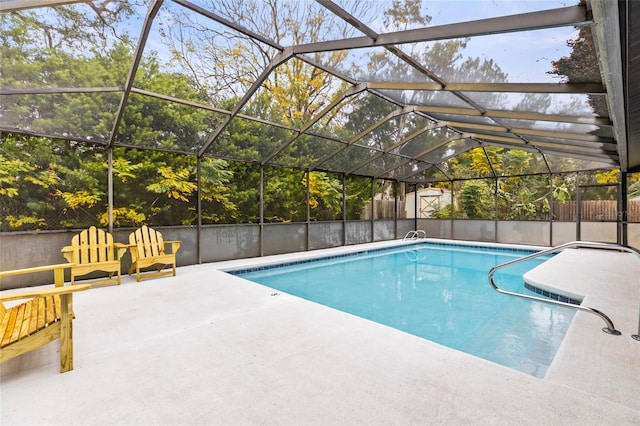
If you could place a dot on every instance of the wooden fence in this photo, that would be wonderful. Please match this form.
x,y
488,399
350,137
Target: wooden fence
x,y
595,210
592,210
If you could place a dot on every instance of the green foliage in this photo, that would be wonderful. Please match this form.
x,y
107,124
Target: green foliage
x,y
358,196
18,222
174,184
163,189
633,190
48,183
325,196
561,192
582,66
215,190
124,216
475,200
10,172
441,212
284,195
524,197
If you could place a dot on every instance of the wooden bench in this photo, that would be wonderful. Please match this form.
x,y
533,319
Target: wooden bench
x,y
93,250
45,317
147,248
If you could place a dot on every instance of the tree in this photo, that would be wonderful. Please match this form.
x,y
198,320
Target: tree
x,y
284,195
224,63
215,177
325,196
49,184
581,66
475,200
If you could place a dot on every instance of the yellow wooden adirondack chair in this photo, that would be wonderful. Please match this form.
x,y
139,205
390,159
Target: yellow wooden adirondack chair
x,y
147,248
45,317
94,250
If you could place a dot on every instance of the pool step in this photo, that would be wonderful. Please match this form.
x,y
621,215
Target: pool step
x,y
517,344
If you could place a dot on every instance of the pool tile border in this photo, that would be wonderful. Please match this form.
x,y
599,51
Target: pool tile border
x,y
552,295
240,271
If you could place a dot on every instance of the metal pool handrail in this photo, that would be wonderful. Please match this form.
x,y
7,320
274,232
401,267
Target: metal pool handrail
x,y
610,328
412,235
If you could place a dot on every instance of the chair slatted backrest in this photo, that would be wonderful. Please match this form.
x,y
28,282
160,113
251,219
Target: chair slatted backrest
x,y
92,246
148,241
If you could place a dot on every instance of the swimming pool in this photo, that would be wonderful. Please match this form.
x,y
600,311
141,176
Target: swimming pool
x,y
439,292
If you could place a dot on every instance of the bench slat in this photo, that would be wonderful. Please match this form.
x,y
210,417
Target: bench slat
x,y
15,332
49,308
41,314
7,326
103,255
33,322
8,331
30,317
45,317
84,255
26,320
146,242
4,325
153,240
58,305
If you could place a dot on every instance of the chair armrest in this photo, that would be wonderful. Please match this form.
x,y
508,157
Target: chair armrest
x,y
35,269
67,252
175,245
43,292
58,272
121,249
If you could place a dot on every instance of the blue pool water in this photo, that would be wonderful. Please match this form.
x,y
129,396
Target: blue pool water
x,y
438,292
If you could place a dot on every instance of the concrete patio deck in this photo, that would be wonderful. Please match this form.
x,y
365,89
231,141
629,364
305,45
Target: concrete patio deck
x,y
206,347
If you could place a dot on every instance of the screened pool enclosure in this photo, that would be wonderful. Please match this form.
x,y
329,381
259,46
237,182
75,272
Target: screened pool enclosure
x,y
257,127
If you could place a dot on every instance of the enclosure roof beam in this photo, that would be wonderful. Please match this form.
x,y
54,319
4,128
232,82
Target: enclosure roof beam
x,y
393,114
579,155
391,169
230,24
607,37
207,107
574,15
548,146
17,5
518,115
56,90
279,59
428,165
178,100
407,58
349,92
346,16
611,149
416,157
489,162
373,35
571,88
518,141
398,144
137,57
425,166
531,132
